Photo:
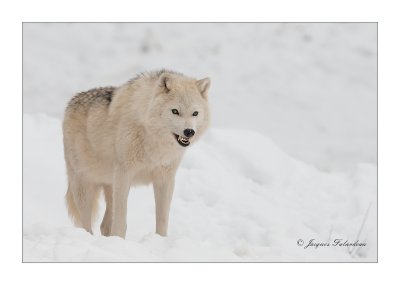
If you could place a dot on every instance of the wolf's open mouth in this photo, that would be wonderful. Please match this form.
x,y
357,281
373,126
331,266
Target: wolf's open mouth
x,y
183,141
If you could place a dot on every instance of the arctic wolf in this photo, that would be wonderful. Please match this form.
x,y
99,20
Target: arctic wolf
x,y
115,137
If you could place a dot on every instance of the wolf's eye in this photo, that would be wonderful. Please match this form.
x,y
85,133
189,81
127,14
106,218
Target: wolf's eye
x,y
195,113
175,112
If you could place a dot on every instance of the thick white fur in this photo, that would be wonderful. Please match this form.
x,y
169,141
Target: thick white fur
x,y
110,146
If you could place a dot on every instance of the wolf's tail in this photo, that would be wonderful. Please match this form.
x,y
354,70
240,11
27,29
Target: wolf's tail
x,y
72,209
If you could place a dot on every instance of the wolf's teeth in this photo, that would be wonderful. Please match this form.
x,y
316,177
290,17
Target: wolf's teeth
x,y
183,140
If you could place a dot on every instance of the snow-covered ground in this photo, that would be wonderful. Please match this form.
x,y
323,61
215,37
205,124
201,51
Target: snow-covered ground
x,y
238,197
291,153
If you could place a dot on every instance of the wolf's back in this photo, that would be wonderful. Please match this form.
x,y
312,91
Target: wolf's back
x,y
85,100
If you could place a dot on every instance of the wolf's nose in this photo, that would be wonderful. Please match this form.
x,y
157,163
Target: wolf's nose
x,y
189,132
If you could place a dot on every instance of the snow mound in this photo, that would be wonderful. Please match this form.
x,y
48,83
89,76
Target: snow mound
x,y
238,197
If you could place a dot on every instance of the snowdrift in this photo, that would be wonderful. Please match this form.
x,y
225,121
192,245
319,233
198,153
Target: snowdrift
x,y
238,197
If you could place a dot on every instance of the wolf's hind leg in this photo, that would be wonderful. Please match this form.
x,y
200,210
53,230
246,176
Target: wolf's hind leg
x,y
105,226
121,186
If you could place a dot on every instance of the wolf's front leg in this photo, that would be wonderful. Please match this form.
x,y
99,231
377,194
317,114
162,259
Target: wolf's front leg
x,y
119,201
163,185
105,226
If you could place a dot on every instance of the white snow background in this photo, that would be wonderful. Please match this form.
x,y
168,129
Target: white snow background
x,y
291,153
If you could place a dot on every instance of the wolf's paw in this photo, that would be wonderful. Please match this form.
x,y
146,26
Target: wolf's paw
x,y
105,229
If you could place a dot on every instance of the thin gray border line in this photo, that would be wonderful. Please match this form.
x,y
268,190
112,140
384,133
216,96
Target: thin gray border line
x,y
377,142
366,22
22,135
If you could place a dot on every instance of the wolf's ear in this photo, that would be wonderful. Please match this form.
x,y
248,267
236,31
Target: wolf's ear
x,y
203,86
165,82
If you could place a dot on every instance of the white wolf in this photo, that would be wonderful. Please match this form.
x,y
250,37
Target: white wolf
x,y
130,135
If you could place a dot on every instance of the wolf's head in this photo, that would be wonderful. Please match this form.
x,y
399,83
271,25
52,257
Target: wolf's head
x,y
179,110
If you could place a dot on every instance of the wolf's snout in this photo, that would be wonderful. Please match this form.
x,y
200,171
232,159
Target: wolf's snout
x,y
189,132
